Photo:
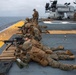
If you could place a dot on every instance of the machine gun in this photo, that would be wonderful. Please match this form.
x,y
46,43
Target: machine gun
x,y
7,41
10,42
21,28
16,41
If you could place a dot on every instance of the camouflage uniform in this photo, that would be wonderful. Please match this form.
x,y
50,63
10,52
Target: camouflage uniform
x,y
26,28
56,64
74,16
43,58
43,47
63,55
36,34
35,16
23,29
24,57
33,31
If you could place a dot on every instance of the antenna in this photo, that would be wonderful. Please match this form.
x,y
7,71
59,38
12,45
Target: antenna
x,y
74,2
53,0
67,4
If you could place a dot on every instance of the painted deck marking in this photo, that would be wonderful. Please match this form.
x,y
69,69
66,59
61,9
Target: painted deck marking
x,y
49,22
58,22
7,33
62,31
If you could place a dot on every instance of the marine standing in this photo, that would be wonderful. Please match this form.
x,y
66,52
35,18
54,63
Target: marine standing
x,y
74,16
35,16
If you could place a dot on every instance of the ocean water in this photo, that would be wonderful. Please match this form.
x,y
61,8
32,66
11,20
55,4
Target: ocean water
x,y
8,21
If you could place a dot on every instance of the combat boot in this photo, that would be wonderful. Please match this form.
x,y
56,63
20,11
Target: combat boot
x,y
20,63
60,47
68,52
72,57
49,51
74,66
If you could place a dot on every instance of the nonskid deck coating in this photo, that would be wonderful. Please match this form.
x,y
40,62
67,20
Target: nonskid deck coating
x,y
59,26
69,42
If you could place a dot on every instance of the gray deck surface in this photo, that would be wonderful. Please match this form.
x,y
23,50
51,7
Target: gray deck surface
x,y
59,26
69,43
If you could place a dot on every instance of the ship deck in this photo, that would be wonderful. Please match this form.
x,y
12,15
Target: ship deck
x,y
52,40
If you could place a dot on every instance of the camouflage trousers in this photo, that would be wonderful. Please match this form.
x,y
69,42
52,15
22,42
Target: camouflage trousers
x,y
35,21
43,47
59,56
56,64
75,18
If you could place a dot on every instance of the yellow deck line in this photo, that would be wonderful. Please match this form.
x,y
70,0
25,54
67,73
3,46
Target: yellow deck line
x,y
62,31
7,34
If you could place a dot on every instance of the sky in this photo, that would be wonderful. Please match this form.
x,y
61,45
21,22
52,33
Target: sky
x,y
25,7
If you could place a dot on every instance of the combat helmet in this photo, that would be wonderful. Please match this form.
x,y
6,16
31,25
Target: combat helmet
x,y
28,36
27,45
34,9
27,19
28,25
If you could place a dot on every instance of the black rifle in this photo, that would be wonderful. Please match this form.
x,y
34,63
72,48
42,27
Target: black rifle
x,y
7,41
17,40
10,42
22,29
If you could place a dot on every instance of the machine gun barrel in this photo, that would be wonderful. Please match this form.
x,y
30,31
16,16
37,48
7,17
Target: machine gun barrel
x,y
19,27
7,41
16,41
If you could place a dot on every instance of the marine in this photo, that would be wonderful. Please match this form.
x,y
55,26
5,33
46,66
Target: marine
x,y
23,28
39,45
35,16
34,31
44,58
75,16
